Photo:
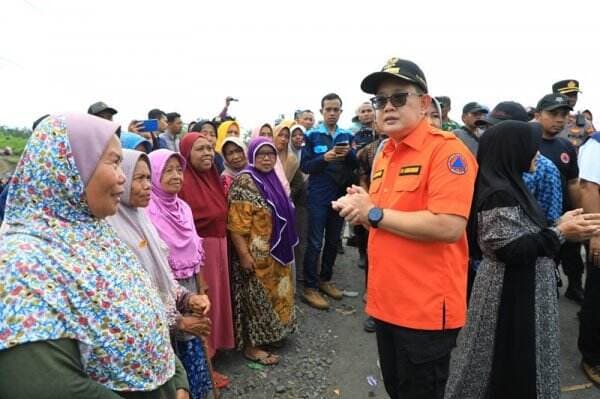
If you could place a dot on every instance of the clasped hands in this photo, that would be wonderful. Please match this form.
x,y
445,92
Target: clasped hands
x,y
354,206
197,323
578,226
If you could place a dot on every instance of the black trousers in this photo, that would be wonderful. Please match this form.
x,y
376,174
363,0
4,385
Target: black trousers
x,y
572,263
362,239
414,363
589,325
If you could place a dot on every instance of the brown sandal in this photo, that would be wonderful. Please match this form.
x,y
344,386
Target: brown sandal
x,y
266,358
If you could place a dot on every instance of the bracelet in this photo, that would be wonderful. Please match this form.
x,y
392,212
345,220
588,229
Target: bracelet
x,y
561,237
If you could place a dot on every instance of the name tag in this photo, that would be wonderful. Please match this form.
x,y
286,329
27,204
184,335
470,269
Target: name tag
x,y
412,170
320,149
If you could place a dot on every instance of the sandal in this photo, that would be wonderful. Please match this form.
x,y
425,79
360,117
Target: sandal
x,y
266,358
221,381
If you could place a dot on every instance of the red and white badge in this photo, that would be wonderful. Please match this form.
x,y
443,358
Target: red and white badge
x,y
565,158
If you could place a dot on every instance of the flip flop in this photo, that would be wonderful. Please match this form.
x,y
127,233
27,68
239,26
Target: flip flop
x,y
267,359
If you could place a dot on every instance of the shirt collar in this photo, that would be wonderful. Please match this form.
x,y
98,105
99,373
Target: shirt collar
x,y
414,139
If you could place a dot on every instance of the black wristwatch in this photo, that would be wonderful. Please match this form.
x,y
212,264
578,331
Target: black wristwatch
x,y
375,215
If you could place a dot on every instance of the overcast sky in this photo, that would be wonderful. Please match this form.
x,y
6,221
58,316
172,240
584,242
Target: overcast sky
x,y
277,56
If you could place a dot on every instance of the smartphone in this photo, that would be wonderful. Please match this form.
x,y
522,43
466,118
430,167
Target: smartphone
x,y
149,125
342,144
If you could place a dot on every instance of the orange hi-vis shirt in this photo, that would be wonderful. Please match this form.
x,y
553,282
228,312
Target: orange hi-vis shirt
x,y
419,284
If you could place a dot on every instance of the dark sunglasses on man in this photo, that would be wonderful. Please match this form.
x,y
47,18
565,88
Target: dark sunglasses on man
x,y
397,100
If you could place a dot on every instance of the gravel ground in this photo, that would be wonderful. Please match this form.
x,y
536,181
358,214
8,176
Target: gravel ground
x,y
330,356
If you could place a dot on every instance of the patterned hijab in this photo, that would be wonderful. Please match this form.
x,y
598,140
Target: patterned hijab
x,y
66,274
283,235
174,221
136,230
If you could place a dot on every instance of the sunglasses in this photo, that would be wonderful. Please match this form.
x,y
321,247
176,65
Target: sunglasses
x,y
397,100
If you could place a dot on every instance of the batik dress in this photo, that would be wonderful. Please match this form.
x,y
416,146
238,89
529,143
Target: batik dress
x,y
263,300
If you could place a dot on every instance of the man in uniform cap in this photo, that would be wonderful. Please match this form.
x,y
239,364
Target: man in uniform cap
x,y
417,207
447,124
101,110
577,128
469,133
552,112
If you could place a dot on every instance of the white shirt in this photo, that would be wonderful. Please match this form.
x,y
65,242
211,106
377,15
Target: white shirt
x,y
589,161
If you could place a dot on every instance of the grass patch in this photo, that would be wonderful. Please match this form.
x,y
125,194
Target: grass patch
x,y
15,142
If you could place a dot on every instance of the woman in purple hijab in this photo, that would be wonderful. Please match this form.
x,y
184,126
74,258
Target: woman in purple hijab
x,y
261,223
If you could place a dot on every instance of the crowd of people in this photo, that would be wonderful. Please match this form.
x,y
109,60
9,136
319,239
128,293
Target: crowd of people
x,y
131,257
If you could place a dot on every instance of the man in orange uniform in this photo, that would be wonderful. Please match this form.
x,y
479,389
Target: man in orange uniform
x,y
417,207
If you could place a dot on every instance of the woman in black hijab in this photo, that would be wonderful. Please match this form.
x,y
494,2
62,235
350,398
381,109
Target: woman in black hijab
x,y
510,346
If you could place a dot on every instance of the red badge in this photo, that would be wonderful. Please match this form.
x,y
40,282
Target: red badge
x,y
457,164
565,158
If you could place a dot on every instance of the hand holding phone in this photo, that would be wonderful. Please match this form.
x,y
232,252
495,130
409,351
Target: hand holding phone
x,y
342,147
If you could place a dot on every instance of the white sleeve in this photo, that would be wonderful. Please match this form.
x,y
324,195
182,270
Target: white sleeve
x,y
589,161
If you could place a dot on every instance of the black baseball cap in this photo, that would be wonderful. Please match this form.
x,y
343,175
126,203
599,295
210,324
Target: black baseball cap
x,y
444,101
395,68
475,107
566,86
99,107
505,111
553,101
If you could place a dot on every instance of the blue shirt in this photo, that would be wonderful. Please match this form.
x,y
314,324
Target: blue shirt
x,y
545,185
171,141
327,179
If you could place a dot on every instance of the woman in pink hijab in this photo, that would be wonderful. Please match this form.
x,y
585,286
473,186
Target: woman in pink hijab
x,y
173,219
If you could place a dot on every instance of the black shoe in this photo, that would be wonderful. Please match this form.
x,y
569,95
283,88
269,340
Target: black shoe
x,y
574,294
351,241
340,248
362,261
369,325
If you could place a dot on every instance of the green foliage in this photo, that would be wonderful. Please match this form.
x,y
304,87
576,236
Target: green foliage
x,y
13,138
